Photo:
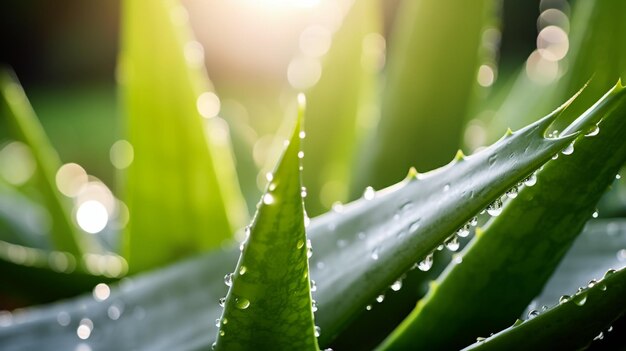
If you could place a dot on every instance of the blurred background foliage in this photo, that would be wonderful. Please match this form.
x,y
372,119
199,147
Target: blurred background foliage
x,y
65,56
385,91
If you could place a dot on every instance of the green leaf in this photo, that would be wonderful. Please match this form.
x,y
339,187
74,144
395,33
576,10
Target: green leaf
x,y
508,264
427,90
269,303
348,278
571,325
594,252
356,55
181,189
21,117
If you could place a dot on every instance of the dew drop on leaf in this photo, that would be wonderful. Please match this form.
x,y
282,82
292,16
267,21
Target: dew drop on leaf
x,y
463,231
313,285
474,221
495,208
222,301
228,279
531,180
300,244
593,131
532,314
595,214
563,299
375,254
452,243
368,307
512,193
369,193
242,303
397,285
380,298
268,199
569,149
317,331
609,273
592,283
426,263
580,299
243,270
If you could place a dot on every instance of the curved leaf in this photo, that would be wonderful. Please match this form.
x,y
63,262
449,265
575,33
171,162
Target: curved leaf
x,y
571,325
507,264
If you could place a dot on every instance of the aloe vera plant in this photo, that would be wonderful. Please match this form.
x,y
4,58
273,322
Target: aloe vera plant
x,y
291,282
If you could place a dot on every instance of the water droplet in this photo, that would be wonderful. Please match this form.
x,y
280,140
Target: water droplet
x,y
480,339
474,221
375,254
228,279
592,283
593,131
414,226
300,154
337,207
242,246
317,331
269,176
618,177
446,188
556,156
463,231
610,329
457,259
426,263
369,193
300,244
302,134
599,336
268,199
440,247
452,243
307,220
512,193
243,270
63,318
495,208
609,273
222,332
84,328
368,307
217,322
272,186
532,314
380,298
222,301
563,299
569,149
313,285
544,308
213,346
595,214
314,305
531,180
303,192
242,303
397,285
580,299
225,321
